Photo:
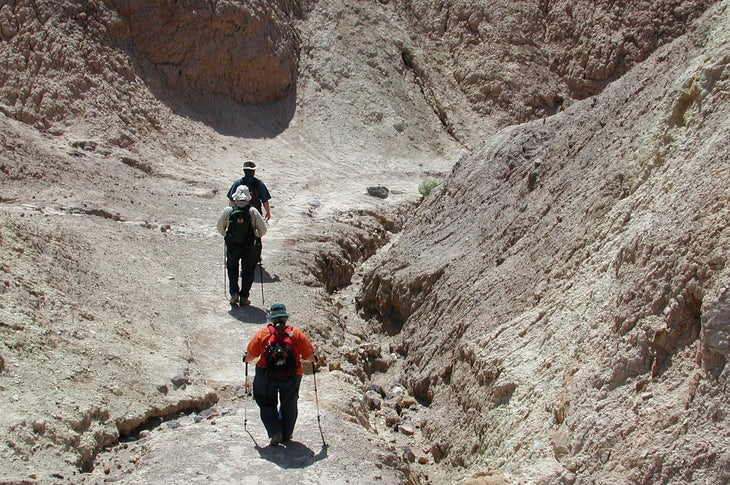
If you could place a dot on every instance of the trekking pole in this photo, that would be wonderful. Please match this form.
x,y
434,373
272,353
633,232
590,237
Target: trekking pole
x,y
261,272
245,391
225,270
316,400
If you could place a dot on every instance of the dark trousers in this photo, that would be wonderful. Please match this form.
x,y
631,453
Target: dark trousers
x,y
268,393
245,257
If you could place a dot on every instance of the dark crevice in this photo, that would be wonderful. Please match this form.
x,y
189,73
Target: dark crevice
x,y
129,429
421,79
350,240
683,325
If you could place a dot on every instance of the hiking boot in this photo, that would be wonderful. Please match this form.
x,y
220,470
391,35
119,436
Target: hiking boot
x,y
275,440
234,299
245,302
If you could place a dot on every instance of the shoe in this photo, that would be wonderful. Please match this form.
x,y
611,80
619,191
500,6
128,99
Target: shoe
x,y
234,299
245,302
275,440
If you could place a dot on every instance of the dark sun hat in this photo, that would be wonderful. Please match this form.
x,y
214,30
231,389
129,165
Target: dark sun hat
x,y
277,310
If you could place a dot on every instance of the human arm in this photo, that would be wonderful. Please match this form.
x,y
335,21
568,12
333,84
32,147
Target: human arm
x,y
255,346
259,226
248,357
305,347
222,224
265,197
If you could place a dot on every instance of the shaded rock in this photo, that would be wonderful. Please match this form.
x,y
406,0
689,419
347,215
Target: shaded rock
x,y
438,451
209,413
179,380
377,388
379,191
391,418
373,400
408,454
407,429
174,424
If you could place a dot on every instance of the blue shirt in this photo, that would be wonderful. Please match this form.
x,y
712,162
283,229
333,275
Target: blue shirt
x,y
254,185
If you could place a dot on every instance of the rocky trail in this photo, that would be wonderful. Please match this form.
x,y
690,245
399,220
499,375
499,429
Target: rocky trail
x,y
226,443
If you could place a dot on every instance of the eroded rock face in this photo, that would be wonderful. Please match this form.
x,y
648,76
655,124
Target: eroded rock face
x,y
589,45
60,59
574,323
246,50
521,60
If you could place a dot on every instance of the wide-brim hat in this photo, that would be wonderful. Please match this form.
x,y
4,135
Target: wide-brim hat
x,y
241,194
277,310
248,165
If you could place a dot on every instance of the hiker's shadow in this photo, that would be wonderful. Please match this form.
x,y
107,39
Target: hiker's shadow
x,y
292,455
248,314
263,276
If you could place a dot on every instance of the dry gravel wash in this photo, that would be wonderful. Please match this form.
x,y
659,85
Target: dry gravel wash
x,y
336,440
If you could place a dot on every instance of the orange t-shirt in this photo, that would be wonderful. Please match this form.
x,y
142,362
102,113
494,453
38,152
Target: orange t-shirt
x,y
258,343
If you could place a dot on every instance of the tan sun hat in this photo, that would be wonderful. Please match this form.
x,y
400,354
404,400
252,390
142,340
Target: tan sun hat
x,y
248,165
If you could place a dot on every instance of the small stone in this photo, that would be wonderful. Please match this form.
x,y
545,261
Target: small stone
x,y
437,452
379,191
408,454
179,380
373,400
392,418
377,388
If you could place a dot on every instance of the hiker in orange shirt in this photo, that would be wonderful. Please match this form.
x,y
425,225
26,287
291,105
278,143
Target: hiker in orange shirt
x,y
280,349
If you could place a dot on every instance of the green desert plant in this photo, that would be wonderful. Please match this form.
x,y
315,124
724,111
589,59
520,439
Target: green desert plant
x,y
427,186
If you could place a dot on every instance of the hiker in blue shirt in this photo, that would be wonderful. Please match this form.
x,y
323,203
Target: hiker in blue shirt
x,y
259,193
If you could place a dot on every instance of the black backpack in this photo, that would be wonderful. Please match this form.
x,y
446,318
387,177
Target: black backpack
x,y
240,228
280,355
253,190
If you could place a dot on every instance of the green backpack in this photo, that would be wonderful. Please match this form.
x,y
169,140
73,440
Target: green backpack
x,y
240,228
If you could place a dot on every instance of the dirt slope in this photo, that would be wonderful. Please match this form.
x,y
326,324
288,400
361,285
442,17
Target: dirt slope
x,y
571,325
